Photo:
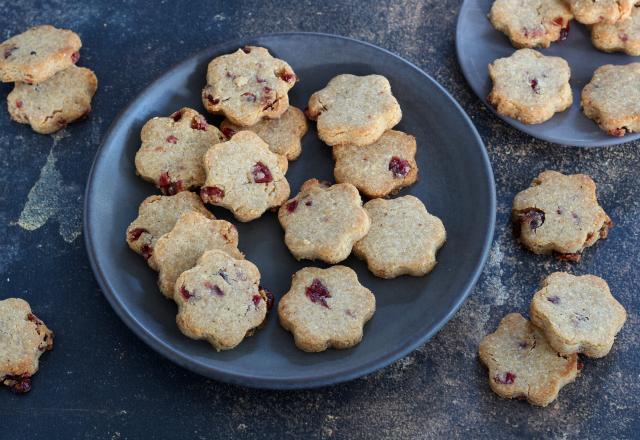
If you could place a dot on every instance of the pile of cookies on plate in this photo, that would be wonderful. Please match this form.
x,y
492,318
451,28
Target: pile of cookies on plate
x,y
242,167
531,87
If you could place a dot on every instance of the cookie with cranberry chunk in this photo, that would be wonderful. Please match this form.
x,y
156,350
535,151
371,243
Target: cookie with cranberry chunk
x,y
326,308
623,36
522,364
354,109
529,86
378,169
283,135
323,221
403,238
531,23
50,105
157,215
23,339
244,176
193,235
220,300
37,54
612,98
248,85
560,213
172,150
599,11
577,314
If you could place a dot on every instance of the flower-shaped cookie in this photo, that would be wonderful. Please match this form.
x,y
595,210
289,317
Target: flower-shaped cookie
x,y
623,36
598,11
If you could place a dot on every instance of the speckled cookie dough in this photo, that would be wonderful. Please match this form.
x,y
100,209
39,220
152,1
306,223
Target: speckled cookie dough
x,y
54,103
623,36
354,109
326,308
323,221
529,86
248,85
598,11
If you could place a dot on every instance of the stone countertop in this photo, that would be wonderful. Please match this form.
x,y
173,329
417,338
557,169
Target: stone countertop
x,y
102,382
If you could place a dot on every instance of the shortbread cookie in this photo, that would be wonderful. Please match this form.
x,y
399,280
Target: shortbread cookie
x,y
37,54
523,365
180,249
403,238
283,134
157,215
220,300
531,23
354,109
529,86
54,103
23,339
322,222
248,85
560,213
326,308
598,11
245,177
577,314
172,150
612,98
381,168
623,36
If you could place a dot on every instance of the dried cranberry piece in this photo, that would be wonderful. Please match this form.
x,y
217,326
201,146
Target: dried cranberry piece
x,y
260,80
399,167
213,288
167,186
249,96
558,21
75,57
267,90
8,51
228,132
604,230
571,257
507,378
534,86
580,365
309,202
212,100
19,103
292,206
19,384
269,298
198,123
185,293
317,292
177,116
135,234
246,49
256,300
146,251
624,37
261,173
555,299
534,217
620,131
287,76
172,139
564,32
211,194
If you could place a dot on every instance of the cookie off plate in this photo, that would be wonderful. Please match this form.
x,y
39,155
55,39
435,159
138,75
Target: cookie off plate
x,y
455,183
478,44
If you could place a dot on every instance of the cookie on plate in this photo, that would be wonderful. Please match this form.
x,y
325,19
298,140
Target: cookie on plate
x,y
51,105
623,36
23,339
577,314
523,365
220,300
37,54
172,150
560,213
157,215
403,238
248,85
323,221
283,134
326,308
354,109
192,236
612,98
529,86
378,169
598,11
531,23
244,176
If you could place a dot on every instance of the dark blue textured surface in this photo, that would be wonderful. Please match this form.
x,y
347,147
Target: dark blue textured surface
x,y
102,382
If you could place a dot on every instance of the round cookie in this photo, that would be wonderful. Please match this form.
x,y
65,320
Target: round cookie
x,y
403,238
354,109
612,98
172,150
248,85
54,103
529,86
322,222
598,11
326,308
37,54
244,176
623,36
157,215
23,339
577,314
378,169
531,23
560,213
180,249
523,365
283,134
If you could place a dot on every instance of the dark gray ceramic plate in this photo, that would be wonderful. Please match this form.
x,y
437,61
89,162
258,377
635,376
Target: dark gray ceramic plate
x,y
478,44
456,183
